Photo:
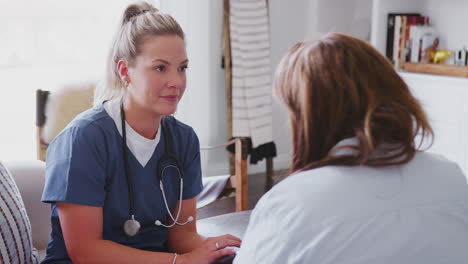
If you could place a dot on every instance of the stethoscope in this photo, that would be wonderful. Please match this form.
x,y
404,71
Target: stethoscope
x,y
132,226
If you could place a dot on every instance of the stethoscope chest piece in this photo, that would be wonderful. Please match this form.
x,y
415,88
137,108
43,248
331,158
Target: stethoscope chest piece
x,y
131,227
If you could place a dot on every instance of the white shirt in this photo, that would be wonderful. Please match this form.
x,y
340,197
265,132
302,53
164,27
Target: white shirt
x,y
414,213
141,147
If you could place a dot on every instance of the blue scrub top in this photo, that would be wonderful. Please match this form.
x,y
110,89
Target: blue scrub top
x,y
85,166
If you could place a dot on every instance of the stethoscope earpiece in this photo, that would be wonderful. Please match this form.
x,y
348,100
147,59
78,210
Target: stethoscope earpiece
x,y
158,223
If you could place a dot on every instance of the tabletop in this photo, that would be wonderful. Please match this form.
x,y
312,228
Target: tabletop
x,y
232,223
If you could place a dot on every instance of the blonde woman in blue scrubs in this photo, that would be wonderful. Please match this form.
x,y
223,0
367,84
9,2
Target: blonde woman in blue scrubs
x,y
123,176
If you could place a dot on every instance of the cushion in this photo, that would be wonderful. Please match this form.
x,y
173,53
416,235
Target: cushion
x,y
64,104
213,186
15,229
29,176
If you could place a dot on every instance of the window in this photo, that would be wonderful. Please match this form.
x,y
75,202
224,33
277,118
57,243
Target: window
x,y
44,44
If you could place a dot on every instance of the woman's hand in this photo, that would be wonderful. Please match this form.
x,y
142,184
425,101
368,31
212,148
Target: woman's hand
x,y
211,250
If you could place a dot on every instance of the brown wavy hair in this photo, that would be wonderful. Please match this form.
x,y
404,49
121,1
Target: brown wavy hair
x,y
341,87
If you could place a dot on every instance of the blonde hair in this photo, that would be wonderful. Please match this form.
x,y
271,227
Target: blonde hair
x,y
341,87
139,20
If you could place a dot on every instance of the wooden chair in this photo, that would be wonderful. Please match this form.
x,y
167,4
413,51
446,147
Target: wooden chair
x,y
41,100
65,104
237,183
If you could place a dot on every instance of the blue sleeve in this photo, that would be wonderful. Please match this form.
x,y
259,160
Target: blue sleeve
x,y
75,167
192,168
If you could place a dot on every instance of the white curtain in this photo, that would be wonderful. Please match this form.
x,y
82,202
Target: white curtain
x,y
251,71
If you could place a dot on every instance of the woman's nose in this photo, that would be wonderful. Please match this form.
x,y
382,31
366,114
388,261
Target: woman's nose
x,y
176,79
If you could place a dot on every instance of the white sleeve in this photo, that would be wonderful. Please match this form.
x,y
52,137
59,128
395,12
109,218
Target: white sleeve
x,y
265,240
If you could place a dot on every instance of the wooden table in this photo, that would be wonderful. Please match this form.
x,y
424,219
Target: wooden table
x,y
233,223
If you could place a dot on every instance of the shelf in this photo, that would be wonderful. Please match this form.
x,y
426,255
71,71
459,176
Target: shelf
x,y
436,79
447,17
438,69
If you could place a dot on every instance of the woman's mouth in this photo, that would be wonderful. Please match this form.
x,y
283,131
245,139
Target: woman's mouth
x,y
170,98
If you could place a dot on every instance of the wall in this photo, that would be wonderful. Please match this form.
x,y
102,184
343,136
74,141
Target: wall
x,y
288,26
346,16
203,105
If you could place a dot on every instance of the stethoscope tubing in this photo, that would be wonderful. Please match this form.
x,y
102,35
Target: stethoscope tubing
x,y
126,169
167,155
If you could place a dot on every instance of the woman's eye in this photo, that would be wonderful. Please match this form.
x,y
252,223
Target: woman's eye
x,y
160,68
183,68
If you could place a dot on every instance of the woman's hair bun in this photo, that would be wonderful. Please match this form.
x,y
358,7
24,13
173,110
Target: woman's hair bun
x,y
137,9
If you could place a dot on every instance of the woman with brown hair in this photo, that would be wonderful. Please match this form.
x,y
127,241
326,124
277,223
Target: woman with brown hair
x,y
361,190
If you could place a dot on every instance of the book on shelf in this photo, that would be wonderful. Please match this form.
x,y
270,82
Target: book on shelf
x,y
396,39
393,36
403,37
401,44
411,22
417,35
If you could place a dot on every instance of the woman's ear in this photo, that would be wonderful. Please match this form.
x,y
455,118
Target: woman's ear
x,y
122,67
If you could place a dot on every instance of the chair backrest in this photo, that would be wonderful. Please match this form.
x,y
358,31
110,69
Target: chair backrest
x,y
55,109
